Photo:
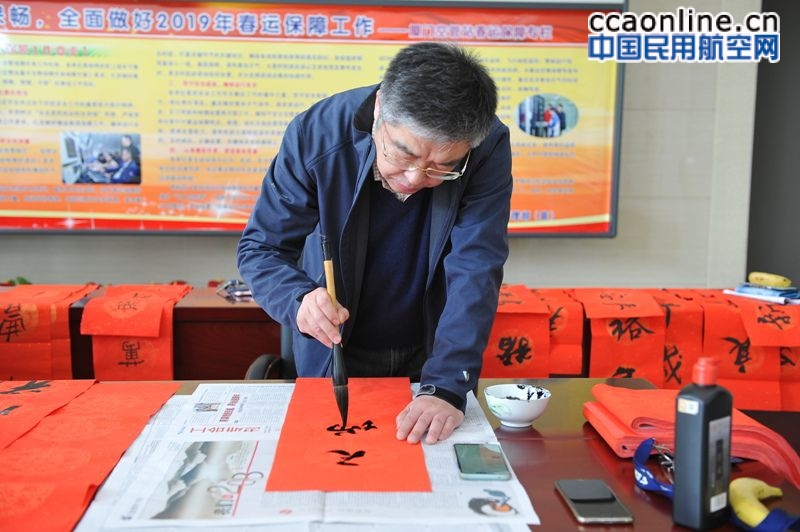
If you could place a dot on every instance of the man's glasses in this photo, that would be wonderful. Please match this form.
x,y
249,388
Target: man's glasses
x,y
409,164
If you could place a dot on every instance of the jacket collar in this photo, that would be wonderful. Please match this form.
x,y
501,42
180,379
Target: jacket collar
x,y
365,115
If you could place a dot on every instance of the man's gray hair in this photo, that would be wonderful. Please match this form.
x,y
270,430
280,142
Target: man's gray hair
x,y
441,92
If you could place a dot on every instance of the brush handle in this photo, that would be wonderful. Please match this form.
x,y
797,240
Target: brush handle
x,y
331,284
327,263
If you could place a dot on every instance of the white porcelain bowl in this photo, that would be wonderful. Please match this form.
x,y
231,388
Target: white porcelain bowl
x,y
516,405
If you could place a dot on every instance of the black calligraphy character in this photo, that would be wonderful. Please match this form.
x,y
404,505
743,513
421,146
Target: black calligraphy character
x,y
348,456
668,312
368,425
775,319
554,317
340,429
30,386
507,345
786,356
505,299
742,350
128,304
8,410
12,324
625,373
632,326
132,303
672,363
616,299
131,352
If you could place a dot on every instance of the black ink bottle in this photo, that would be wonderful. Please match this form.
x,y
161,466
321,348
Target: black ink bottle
x,y
702,450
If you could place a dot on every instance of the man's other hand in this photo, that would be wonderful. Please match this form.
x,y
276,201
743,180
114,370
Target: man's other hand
x,y
430,414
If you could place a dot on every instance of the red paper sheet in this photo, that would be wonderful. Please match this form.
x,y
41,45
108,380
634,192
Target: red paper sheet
x,y
50,474
790,364
772,325
24,404
26,360
700,295
131,328
750,372
628,348
566,332
683,337
617,303
519,342
34,330
136,357
628,329
313,452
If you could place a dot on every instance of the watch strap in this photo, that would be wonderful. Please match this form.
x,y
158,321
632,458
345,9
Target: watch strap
x,y
445,395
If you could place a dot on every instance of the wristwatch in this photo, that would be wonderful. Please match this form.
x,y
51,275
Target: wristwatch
x,y
441,393
426,389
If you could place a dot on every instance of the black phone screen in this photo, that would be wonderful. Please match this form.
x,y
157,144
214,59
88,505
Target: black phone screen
x,y
592,501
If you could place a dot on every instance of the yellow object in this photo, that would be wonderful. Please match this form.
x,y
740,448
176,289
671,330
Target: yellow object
x,y
769,279
746,494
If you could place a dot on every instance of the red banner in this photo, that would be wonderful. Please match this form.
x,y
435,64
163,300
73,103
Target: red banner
x,y
315,452
87,149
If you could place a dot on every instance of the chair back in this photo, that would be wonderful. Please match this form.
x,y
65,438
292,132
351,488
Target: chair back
x,y
288,369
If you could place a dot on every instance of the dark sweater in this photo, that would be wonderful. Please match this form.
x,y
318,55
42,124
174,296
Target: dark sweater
x,y
390,311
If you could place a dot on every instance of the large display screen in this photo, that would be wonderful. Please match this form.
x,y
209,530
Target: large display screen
x,y
163,117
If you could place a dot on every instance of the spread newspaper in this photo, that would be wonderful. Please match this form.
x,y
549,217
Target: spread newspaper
x,y
204,461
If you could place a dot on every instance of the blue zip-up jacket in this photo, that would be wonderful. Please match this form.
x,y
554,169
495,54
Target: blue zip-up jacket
x,y
316,185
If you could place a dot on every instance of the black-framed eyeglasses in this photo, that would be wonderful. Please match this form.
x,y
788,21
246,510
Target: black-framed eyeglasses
x,y
410,166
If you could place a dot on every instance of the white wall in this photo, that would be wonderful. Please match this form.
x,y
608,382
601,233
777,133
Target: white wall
x,y
684,186
683,198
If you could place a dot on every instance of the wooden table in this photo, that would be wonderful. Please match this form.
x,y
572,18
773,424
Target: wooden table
x,y
213,338
562,444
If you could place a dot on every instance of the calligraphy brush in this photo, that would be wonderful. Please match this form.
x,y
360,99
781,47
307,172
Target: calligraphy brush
x,y
339,371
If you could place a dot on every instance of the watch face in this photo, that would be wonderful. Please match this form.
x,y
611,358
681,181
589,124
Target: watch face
x,y
427,389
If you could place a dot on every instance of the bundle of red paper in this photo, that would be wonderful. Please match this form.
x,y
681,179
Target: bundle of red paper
x,y
59,441
624,417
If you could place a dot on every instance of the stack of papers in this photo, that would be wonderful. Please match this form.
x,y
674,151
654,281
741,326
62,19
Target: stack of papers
x,y
787,295
619,418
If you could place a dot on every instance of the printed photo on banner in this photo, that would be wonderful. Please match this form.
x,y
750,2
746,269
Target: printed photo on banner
x,y
547,115
98,158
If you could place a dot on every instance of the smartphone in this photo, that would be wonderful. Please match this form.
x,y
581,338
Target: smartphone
x,y
592,501
481,461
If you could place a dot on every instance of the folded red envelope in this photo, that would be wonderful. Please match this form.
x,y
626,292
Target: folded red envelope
x,y
624,417
131,328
